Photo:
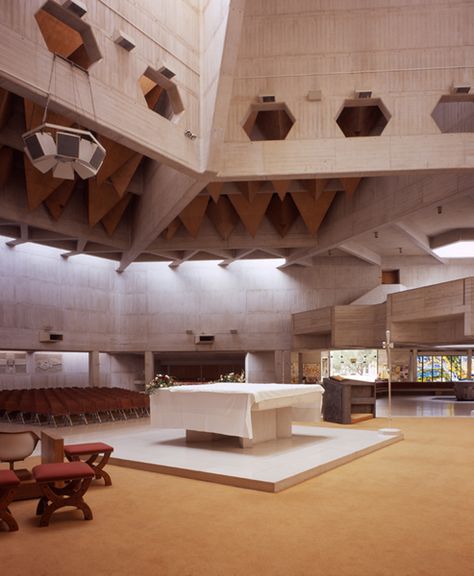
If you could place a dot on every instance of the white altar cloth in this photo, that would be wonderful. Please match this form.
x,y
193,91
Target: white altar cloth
x,y
226,407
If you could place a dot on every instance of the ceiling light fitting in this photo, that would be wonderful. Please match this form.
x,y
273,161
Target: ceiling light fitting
x,y
64,150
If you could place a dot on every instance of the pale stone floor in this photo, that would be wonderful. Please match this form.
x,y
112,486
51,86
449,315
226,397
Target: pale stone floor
x,y
430,405
270,466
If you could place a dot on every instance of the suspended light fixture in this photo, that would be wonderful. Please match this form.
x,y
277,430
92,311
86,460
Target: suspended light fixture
x,y
67,151
64,150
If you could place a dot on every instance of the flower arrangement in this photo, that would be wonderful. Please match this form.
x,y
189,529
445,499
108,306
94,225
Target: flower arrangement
x,y
159,381
232,377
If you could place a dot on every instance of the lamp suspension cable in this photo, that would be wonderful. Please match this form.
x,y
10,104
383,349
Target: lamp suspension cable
x,y
48,97
94,115
65,150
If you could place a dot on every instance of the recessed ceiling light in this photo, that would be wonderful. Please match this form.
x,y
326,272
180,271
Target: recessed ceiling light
x,y
462,249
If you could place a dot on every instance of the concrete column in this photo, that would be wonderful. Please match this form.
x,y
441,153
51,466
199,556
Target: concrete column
x,y
283,366
149,366
300,367
412,365
94,368
260,367
30,369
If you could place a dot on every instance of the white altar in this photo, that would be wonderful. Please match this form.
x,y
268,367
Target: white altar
x,y
252,412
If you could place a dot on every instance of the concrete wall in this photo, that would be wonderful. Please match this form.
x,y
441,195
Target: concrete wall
x,y
152,306
59,369
43,369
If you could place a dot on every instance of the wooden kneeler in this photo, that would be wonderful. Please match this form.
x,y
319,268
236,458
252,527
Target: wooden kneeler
x,y
8,484
96,454
75,478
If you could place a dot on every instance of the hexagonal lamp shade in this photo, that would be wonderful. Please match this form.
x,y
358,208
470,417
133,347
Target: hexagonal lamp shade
x,y
64,150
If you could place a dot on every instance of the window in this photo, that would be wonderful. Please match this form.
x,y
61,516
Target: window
x,y
354,364
390,276
161,93
67,35
268,121
441,368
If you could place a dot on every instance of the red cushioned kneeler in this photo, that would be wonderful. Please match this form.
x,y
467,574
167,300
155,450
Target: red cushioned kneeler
x,y
8,483
91,452
75,479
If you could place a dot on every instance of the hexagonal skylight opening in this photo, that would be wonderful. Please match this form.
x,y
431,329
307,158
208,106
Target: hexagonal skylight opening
x,y
454,113
67,35
268,121
367,117
161,93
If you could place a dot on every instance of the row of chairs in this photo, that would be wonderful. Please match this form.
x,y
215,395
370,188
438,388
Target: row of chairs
x,y
73,405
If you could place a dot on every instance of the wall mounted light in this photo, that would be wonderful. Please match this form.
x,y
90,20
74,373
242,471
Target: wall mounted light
x,y
265,99
204,339
314,95
363,93
460,89
64,150
166,72
124,40
190,135
77,7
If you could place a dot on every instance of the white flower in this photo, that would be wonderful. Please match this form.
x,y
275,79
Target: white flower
x,y
159,381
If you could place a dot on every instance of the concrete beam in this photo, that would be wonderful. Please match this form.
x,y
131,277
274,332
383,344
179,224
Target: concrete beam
x,y
166,193
347,157
222,25
355,249
384,202
13,208
420,239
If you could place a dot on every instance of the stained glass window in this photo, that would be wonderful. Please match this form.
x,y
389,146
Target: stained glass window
x,y
441,368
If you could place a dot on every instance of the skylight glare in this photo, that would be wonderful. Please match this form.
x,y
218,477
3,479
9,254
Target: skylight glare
x,y
463,249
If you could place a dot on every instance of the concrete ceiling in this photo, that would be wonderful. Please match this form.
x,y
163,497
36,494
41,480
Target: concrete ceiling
x,y
301,219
